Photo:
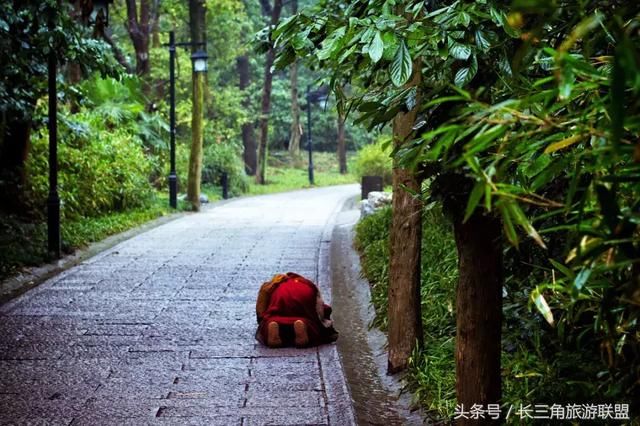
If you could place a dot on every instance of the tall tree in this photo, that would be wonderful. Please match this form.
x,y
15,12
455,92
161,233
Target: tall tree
x,y
296,127
197,28
266,97
248,134
405,321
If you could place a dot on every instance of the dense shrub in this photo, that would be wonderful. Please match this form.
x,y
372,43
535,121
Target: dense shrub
x,y
101,159
372,241
375,160
217,157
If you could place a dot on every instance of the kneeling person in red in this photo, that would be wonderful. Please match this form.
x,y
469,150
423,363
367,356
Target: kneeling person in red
x,y
291,312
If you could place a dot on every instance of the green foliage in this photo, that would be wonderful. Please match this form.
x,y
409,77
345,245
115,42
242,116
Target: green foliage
x,y
537,365
101,159
431,374
26,42
375,160
222,158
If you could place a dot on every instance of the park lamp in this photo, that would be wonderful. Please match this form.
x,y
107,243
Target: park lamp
x,y
199,60
100,12
319,97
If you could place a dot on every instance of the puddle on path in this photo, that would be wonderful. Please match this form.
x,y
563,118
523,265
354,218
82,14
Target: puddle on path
x,y
363,354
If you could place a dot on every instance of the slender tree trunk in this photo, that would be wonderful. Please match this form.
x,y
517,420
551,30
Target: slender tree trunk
x,y
405,323
155,23
197,26
266,100
296,126
248,135
478,311
342,146
79,14
139,28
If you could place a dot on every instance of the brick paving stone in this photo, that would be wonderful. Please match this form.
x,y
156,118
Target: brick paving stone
x,y
160,328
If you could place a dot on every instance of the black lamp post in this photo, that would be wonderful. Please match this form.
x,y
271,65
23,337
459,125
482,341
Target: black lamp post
x,y
199,63
309,143
99,16
320,95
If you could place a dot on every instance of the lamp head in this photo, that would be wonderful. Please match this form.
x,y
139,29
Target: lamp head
x,y
199,61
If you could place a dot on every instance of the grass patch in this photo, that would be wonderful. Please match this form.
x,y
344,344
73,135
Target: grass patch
x,y
283,175
25,243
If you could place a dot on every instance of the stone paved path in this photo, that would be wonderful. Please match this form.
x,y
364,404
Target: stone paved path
x,y
160,328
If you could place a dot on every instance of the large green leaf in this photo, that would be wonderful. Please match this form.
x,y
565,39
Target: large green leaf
x,y
401,66
466,74
376,47
458,50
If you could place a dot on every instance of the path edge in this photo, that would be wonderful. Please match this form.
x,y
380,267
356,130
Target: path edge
x,y
32,277
339,403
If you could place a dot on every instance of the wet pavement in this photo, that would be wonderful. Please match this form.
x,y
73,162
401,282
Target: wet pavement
x,y
160,328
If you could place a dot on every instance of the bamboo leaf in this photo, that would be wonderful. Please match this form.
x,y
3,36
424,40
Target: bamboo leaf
x,y
521,219
474,199
507,223
567,272
580,280
542,306
556,146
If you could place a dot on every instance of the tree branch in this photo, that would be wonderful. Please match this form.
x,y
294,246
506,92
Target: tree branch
x,y
117,52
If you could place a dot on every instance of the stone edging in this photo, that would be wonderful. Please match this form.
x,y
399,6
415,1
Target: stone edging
x,y
340,405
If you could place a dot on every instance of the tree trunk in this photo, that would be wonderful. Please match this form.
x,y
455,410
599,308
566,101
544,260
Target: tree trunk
x,y
80,14
405,323
122,60
248,135
478,311
342,146
139,29
296,127
197,27
266,100
155,23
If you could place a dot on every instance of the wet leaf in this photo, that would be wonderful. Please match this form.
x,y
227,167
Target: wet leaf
x,y
401,66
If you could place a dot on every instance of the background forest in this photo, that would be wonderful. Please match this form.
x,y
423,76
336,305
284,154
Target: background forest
x,y
113,97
